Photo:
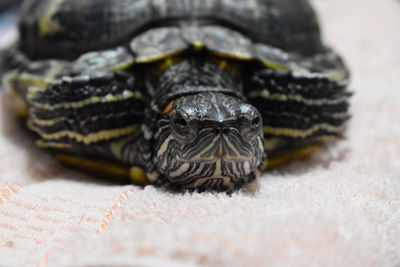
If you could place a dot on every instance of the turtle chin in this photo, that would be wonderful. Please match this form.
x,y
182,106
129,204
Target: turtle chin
x,y
218,175
215,174
212,171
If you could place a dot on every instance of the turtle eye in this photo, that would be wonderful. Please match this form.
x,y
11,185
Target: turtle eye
x,y
182,127
256,121
250,123
180,123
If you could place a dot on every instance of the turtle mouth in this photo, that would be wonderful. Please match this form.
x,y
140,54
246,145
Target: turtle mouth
x,y
219,149
214,159
215,168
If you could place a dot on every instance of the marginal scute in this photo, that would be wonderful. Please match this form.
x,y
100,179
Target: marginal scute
x,y
228,43
116,59
274,58
329,64
166,42
157,43
160,43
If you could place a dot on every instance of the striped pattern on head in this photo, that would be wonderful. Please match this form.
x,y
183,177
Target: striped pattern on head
x,y
209,140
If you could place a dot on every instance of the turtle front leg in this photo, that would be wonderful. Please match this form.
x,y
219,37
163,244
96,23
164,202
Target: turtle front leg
x,y
85,110
299,110
86,120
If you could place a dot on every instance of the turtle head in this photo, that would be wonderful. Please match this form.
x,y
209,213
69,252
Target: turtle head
x,y
209,140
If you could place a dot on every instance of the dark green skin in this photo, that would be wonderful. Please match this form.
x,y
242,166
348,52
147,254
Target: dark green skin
x,y
212,138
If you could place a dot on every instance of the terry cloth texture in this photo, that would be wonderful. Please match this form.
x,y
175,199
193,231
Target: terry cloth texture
x,y
339,208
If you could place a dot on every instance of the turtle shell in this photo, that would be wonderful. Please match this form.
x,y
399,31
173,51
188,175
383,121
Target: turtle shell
x,y
46,28
282,34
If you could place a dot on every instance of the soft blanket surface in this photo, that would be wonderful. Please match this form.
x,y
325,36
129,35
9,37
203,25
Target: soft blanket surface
x,y
339,208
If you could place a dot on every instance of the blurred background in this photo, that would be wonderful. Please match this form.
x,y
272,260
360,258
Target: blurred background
x,y
8,11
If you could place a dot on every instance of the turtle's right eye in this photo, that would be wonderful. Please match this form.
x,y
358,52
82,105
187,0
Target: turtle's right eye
x,y
183,126
180,123
256,121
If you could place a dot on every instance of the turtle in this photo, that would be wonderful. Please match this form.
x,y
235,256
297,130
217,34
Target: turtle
x,y
185,94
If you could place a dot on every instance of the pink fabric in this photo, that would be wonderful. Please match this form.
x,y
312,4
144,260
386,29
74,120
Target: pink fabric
x,y
340,208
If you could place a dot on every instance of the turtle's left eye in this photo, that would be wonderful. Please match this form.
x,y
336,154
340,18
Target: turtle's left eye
x,y
256,121
249,121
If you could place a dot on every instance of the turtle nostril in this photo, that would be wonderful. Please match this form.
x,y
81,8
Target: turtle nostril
x,y
218,131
